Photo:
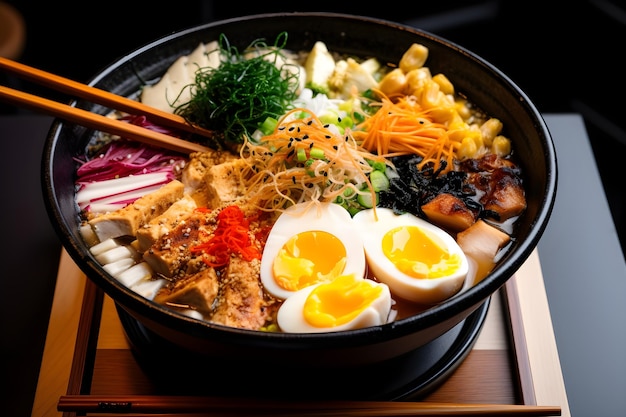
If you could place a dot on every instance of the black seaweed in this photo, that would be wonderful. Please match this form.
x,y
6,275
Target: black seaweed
x,y
415,187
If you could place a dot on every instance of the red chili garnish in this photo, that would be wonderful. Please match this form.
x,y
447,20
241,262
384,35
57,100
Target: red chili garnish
x,y
230,236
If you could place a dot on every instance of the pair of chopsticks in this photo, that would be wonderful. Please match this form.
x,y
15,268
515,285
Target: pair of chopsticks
x,y
212,406
96,121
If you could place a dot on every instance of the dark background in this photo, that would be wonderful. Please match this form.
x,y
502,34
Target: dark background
x,y
565,59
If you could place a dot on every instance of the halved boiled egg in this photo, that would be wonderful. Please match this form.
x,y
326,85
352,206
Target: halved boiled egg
x,y
348,302
309,244
419,261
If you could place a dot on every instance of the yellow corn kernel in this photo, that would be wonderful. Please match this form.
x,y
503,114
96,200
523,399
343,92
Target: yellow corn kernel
x,y
416,78
462,133
467,149
414,57
457,135
443,114
458,125
456,118
431,95
444,84
501,145
394,82
463,109
490,129
478,140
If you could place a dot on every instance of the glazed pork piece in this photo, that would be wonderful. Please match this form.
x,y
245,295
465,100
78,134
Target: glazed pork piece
x,y
499,180
126,221
161,225
170,254
212,178
194,292
242,301
233,297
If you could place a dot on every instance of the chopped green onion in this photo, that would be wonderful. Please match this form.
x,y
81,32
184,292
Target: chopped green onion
x,y
379,181
346,122
377,165
268,126
301,155
317,153
365,199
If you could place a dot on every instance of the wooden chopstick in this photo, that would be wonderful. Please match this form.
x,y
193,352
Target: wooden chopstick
x,y
100,96
161,404
98,122
95,121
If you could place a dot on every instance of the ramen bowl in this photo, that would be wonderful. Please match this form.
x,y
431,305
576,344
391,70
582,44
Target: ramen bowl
x,y
472,76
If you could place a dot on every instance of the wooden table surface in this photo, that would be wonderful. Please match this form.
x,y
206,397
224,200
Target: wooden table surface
x,y
488,375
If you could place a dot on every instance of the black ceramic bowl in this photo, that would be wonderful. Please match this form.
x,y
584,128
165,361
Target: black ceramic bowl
x,y
485,85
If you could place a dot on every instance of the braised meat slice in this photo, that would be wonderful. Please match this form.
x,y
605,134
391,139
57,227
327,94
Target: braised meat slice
x,y
212,178
450,212
163,224
126,221
500,182
193,292
242,302
171,252
506,196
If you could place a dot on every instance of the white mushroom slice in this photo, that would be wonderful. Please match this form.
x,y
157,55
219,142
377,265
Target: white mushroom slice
x,y
170,92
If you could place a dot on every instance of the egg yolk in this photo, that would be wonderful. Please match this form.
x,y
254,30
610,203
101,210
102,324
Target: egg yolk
x,y
308,258
416,254
339,301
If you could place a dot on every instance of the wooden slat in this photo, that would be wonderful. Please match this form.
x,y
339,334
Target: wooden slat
x,y
62,331
535,323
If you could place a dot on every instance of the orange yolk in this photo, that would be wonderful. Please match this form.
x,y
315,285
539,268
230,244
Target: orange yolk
x,y
417,254
308,258
340,301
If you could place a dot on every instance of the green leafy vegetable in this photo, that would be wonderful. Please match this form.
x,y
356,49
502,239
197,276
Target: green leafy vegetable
x,y
240,94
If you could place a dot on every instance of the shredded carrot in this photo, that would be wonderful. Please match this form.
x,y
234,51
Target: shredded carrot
x,y
401,127
286,168
230,236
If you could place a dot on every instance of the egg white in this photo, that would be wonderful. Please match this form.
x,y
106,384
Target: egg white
x,y
299,218
291,319
421,290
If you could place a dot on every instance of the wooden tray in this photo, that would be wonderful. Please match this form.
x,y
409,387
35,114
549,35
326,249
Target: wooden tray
x,y
514,361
